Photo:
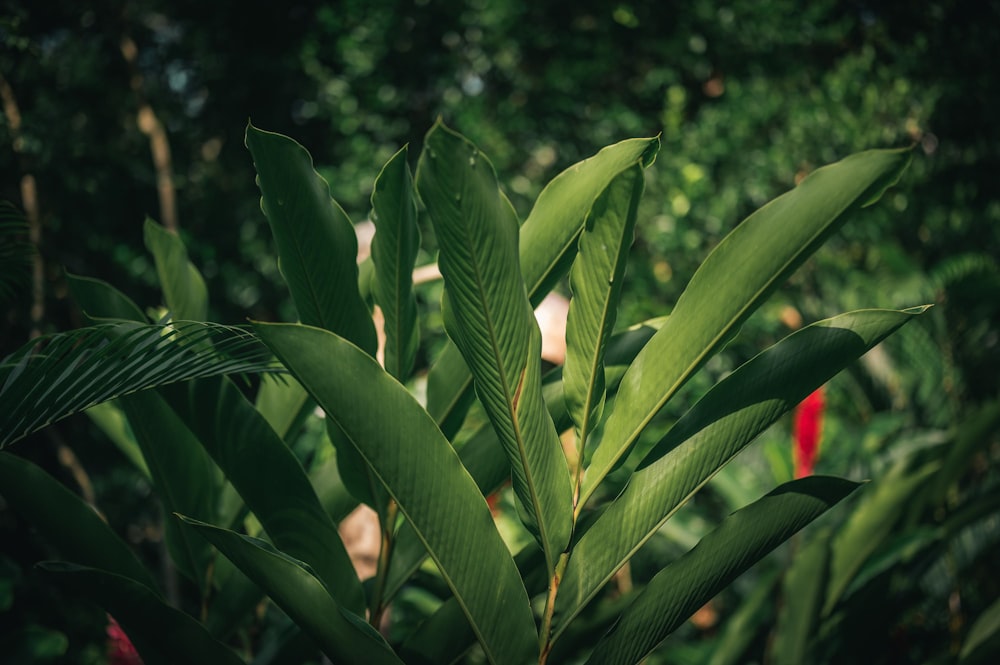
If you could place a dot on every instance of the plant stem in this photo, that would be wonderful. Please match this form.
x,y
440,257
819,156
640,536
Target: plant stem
x,y
550,604
376,609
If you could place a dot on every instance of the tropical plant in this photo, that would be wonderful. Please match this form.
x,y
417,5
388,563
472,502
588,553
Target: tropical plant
x,y
232,472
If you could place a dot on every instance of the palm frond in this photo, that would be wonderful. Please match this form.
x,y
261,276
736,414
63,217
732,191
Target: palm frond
x,y
58,375
16,251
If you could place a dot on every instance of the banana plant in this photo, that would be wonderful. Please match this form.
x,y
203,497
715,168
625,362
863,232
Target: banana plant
x,y
248,519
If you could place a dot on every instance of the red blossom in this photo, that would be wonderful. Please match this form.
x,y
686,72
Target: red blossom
x,y
120,649
808,428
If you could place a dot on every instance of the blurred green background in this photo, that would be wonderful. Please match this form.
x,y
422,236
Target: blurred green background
x,y
748,96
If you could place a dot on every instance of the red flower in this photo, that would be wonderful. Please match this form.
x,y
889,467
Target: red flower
x,y
808,427
120,649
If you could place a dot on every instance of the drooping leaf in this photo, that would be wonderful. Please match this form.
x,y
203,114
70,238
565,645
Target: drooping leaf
x,y
488,315
65,521
99,300
756,257
317,246
596,280
394,252
422,472
160,633
548,243
293,586
688,583
183,288
270,479
716,428
55,376
184,476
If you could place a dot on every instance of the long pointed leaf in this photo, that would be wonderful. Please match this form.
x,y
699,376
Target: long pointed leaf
x,y
100,300
317,247
183,288
734,280
691,581
548,243
394,252
65,521
160,633
716,428
423,474
596,281
342,636
184,476
58,375
490,319
257,462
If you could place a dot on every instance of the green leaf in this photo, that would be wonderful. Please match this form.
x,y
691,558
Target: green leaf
x,y
270,479
66,521
283,402
183,288
160,633
184,476
596,281
983,637
801,602
548,243
317,247
112,421
739,542
871,522
55,376
99,300
716,428
292,585
488,315
755,258
394,252
742,626
423,474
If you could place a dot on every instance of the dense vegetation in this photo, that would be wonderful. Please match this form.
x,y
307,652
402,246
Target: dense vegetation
x,y
748,98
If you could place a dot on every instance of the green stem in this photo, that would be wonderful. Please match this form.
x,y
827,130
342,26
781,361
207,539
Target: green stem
x,y
376,609
550,605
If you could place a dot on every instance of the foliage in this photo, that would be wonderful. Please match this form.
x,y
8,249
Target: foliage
x,y
249,519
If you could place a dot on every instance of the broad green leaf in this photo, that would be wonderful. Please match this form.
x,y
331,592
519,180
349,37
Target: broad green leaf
x,y
184,476
160,633
548,243
317,247
292,585
740,541
755,258
394,253
55,376
801,601
481,454
64,520
270,479
111,420
716,428
596,280
183,288
422,472
488,315
99,300
283,403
